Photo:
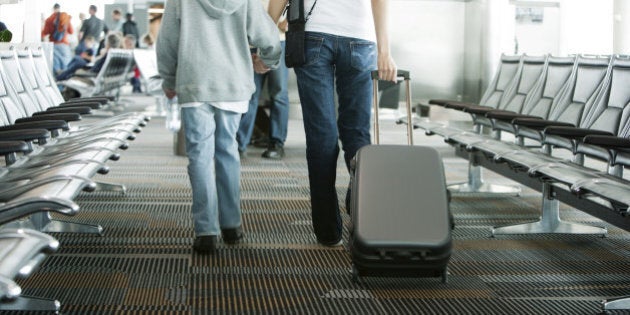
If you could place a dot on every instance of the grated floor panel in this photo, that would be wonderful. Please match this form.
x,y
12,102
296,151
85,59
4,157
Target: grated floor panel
x,y
143,264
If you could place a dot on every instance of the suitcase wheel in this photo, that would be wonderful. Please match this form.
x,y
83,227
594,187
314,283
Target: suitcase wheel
x,y
445,275
355,275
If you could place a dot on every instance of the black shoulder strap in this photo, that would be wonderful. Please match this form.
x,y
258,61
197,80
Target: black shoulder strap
x,y
295,11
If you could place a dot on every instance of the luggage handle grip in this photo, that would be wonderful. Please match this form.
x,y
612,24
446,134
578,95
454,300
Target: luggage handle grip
x,y
400,74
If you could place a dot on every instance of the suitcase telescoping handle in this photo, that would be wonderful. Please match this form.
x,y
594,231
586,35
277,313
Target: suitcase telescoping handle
x,y
400,75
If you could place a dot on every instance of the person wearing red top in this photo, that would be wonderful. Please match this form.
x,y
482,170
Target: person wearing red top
x,y
59,21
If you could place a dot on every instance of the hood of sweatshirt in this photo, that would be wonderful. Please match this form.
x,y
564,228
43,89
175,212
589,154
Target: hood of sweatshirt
x,y
219,8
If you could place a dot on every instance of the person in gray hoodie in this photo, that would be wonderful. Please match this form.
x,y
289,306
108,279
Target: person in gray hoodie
x,y
204,59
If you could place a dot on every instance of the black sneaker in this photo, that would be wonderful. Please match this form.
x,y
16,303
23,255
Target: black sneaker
x,y
232,236
205,244
336,243
274,151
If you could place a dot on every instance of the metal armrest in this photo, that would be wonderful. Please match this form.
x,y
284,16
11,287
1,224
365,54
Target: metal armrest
x,y
44,124
538,124
507,116
573,133
40,116
609,142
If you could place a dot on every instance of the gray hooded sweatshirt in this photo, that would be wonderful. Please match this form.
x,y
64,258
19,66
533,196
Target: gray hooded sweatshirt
x,y
203,48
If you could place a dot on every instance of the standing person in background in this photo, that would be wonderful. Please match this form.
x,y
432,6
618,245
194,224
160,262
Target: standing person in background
x,y
130,42
117,21
345,41
56,29
279,111
203,58
130,28
93,26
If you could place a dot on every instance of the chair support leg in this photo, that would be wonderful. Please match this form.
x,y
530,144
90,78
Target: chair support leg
x,y
620,303
102,186
615,170
475,182
549,222
43,222
29,303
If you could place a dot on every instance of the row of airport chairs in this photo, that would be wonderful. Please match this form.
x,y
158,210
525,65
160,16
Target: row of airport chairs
x,y
559,111
52,150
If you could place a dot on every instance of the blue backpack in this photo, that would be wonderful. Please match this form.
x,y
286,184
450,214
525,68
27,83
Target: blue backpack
x,y
58,35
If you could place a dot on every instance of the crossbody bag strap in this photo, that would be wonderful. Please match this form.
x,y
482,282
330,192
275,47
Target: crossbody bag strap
x,y
300,11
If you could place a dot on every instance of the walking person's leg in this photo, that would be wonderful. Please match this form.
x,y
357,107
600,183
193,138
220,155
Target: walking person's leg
x,y
200,147
246,125
279,112
228,172
354,88
315,85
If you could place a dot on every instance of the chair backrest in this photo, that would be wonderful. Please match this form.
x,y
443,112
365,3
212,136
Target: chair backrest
x,y
146,60
29,73
26,98
556,76
9,100
610,112
504,81
582,90
115,69
43,75
532,72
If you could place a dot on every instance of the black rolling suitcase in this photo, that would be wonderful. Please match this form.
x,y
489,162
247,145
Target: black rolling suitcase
x,y
401,224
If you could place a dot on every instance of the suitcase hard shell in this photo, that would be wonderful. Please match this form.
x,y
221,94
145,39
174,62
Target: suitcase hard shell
x,y
401,223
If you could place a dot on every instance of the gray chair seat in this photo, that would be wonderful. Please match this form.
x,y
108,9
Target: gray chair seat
x,y
612,189
564,172
524,158
496,147
466,138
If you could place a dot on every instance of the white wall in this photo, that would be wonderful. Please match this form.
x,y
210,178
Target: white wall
x,y
427,38
621,27
540,38
586,27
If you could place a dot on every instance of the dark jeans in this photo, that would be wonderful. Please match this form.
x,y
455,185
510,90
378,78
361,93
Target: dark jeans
x,y
279,112
75,64
345,63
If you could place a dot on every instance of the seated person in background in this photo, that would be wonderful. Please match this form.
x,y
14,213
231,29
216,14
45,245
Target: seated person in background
x,y
81,60
112,41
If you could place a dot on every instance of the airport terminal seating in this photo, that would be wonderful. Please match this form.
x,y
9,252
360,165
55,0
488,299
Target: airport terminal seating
x,y
575,117
51,154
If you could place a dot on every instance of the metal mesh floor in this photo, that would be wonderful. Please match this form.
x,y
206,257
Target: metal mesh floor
x,y
143,264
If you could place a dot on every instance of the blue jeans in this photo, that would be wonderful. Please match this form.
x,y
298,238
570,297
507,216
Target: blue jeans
x,y
61,57
75,64
345,63
213,167
279,112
